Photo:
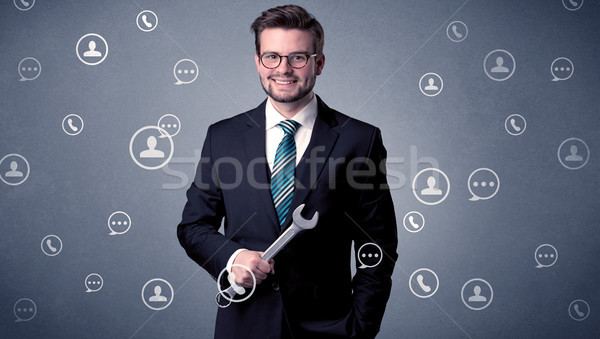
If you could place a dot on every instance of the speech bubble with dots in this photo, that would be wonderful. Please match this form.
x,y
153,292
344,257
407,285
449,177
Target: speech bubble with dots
x,y
546,255
369,255
119,223
483,184
185,71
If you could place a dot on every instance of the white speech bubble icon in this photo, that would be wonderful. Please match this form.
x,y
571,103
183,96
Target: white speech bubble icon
x,y
169,125
545,256
483,183
119,223
185,71
24,310
561,69
29,69
369,255
93,282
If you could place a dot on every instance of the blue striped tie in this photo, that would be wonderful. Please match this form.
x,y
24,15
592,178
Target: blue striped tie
x,y
284,168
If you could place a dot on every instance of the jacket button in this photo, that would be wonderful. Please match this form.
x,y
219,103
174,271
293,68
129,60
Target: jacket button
x,y
275,286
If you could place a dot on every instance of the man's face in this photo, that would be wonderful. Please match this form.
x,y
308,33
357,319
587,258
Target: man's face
x,y
284,83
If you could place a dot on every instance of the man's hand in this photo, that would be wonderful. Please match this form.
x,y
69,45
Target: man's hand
x,y
251,260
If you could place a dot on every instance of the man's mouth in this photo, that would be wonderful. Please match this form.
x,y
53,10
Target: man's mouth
x,y
284,82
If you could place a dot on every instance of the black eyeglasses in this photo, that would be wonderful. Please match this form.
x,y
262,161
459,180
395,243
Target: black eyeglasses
x,y
296,60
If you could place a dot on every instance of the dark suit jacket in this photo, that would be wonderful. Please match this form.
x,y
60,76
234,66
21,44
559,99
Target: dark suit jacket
x,y
342,176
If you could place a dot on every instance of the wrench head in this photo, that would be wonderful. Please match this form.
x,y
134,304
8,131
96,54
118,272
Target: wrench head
x,y
304,223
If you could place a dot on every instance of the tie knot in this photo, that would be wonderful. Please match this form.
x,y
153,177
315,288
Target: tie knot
x,y
289,126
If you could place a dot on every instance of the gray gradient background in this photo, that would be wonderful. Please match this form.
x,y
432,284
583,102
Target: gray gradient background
x,y
376,52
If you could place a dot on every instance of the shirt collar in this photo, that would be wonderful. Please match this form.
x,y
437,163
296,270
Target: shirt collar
x,y
306,117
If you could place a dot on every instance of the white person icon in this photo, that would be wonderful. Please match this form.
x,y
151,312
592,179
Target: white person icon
x,y
152,152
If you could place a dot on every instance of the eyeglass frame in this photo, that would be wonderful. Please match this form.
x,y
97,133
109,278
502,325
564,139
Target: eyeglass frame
x,y
308,56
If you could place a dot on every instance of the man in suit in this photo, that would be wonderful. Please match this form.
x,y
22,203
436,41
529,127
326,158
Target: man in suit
x,y
258,166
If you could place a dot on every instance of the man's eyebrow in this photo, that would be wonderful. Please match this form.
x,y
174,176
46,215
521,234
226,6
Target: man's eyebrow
x,y
294,52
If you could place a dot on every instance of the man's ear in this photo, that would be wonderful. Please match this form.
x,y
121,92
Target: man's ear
x,y
320,63
257,61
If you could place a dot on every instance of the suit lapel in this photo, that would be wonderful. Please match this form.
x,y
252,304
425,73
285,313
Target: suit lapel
x,y
254,142
324,135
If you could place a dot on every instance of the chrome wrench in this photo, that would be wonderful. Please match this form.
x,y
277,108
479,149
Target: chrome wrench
x,y
299,224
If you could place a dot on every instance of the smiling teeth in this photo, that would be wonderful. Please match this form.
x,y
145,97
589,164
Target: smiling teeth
x,y
283,82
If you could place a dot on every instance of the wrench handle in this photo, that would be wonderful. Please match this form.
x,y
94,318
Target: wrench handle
x,y
279,243
267,255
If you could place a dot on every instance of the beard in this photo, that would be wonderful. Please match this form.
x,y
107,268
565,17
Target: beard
x,y
300,92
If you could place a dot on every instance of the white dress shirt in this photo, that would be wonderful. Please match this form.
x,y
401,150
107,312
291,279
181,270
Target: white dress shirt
x,y
274,134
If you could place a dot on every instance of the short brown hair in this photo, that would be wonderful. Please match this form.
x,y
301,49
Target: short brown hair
x,y
289,17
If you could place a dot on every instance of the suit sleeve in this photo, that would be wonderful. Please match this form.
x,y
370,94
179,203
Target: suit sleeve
x,y
375,222
202,215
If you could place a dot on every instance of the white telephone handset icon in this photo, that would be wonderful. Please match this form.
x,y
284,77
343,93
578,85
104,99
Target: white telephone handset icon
x,y
514,125
412,222
579,313
573,3
25,3
424,287
237,288
73,127
456,32
50,247
145,20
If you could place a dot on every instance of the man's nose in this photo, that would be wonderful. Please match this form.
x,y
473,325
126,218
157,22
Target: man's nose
x,y
284,66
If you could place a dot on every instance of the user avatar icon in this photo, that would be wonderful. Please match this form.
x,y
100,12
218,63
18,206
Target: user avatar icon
x,y
431,189
92,50
13,173
152,152
477,297
573,156
160,296
430,186
499,68
499,65
14,169
431,86
573,153
151,147
157,297
477,294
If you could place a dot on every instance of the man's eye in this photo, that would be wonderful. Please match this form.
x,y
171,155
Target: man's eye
x,y
297,57
269,56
